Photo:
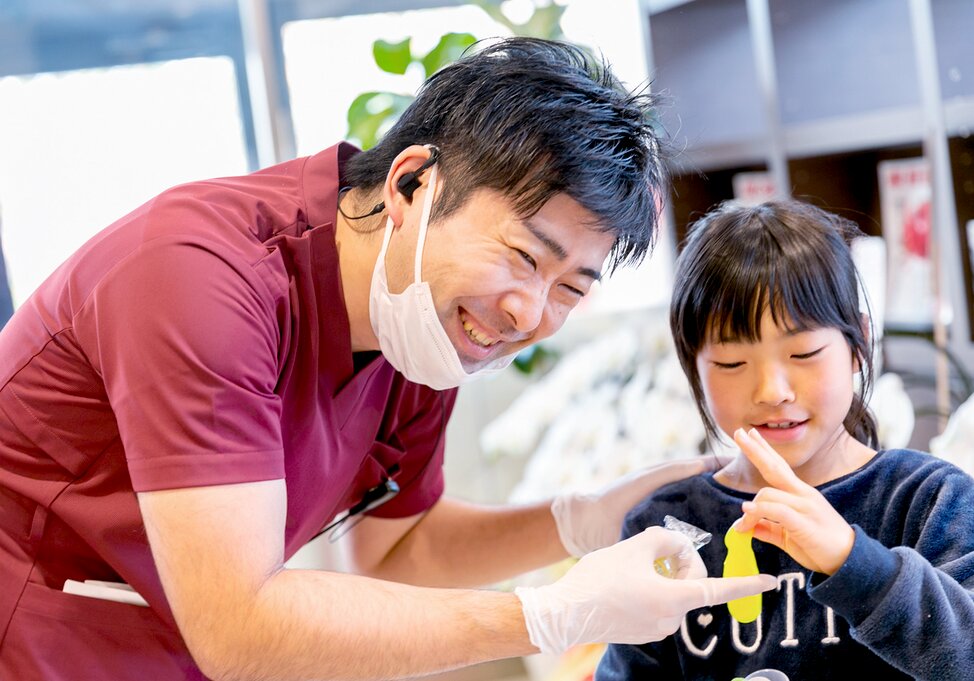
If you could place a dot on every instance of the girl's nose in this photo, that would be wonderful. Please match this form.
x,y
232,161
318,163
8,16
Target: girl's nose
x,y
773,386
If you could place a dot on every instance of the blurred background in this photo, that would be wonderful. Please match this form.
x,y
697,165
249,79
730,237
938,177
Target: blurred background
x,y
864,107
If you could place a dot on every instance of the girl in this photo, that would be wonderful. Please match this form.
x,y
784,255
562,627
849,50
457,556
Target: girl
x,y
874,551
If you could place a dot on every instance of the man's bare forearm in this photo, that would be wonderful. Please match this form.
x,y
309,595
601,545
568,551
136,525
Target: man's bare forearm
x,y
316,625
245,617
458,544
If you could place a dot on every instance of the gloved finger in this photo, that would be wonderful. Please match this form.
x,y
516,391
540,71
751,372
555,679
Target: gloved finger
x,y
668,625
662,543
689,565
716,590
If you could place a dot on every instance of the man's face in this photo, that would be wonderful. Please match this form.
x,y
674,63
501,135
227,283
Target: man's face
x,y
500,283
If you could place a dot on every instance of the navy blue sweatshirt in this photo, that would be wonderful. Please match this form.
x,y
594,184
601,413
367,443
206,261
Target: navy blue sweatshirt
x,y
900,607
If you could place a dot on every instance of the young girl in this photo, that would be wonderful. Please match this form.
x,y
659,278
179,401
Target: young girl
x,y
874,551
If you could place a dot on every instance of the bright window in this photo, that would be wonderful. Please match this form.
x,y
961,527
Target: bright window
x,y
80,149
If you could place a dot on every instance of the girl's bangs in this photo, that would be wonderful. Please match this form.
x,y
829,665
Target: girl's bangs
x,y
800,296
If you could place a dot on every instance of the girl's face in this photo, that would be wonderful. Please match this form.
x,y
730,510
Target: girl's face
x,y
795,388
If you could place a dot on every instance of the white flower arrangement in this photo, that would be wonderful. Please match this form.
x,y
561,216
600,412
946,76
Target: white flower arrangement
x,y
893,408
956,443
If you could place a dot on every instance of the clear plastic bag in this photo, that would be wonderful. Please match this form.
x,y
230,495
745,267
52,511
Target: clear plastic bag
x,y
666,566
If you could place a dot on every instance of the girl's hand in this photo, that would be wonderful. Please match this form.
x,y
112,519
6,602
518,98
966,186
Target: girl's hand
x,y
790,514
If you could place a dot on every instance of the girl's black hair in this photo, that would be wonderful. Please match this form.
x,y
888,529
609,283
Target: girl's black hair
x,y
531,118
787,257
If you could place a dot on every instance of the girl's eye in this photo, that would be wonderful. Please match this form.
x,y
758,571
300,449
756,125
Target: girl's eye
x,y
728,365
527,258
808,355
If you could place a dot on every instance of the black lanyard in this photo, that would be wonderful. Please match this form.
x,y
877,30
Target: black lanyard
x,y
373,498
381,493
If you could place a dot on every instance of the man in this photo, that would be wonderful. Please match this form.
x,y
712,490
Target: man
x,y
203,386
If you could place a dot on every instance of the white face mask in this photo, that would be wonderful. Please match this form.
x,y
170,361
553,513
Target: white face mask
x,y
410,334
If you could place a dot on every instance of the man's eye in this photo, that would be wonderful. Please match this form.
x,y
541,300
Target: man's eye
x,y
574,291
527,258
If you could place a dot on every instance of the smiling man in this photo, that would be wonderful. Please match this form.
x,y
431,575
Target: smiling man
x,y
245,363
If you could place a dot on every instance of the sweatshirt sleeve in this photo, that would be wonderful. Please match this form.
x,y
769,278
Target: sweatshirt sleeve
x,y
913,604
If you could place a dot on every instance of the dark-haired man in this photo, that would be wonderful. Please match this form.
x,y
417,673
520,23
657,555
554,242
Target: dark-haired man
x,y
201,388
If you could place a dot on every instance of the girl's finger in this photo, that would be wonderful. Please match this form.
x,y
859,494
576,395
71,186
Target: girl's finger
x,y
771,533
769,463
783,514
751,509
763,530
746,522
777,496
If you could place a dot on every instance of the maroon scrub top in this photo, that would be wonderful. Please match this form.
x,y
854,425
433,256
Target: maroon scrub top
x,y
200,340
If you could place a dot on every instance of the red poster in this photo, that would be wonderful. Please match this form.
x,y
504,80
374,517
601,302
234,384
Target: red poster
x,y
904,196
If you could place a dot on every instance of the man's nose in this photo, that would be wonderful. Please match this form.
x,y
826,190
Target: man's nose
x,y
525,306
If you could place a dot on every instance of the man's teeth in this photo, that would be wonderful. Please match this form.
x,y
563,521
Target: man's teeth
x,y
785,424
476,336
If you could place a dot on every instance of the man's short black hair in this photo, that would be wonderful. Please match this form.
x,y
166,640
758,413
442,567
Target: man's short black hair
x,y
532,118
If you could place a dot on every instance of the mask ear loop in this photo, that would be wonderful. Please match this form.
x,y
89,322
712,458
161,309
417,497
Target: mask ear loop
x,y
424,223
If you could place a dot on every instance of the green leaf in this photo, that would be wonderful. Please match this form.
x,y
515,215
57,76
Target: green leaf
x,y
493,9
534,359
545,22
392,57
447,51
372,113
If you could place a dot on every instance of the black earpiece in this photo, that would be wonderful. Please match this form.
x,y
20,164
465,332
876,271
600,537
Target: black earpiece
x,y
407,185
409,182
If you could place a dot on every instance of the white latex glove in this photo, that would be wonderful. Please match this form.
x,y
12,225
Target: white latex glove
x,y
587,522
616,596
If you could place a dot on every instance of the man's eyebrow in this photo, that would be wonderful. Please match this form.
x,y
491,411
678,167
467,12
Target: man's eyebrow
x,y
589,272
558,250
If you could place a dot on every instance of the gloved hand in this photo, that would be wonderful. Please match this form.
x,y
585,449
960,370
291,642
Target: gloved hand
x,y
616,596
587,522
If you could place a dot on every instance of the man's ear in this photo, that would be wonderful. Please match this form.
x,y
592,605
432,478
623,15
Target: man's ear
x,y
399,203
